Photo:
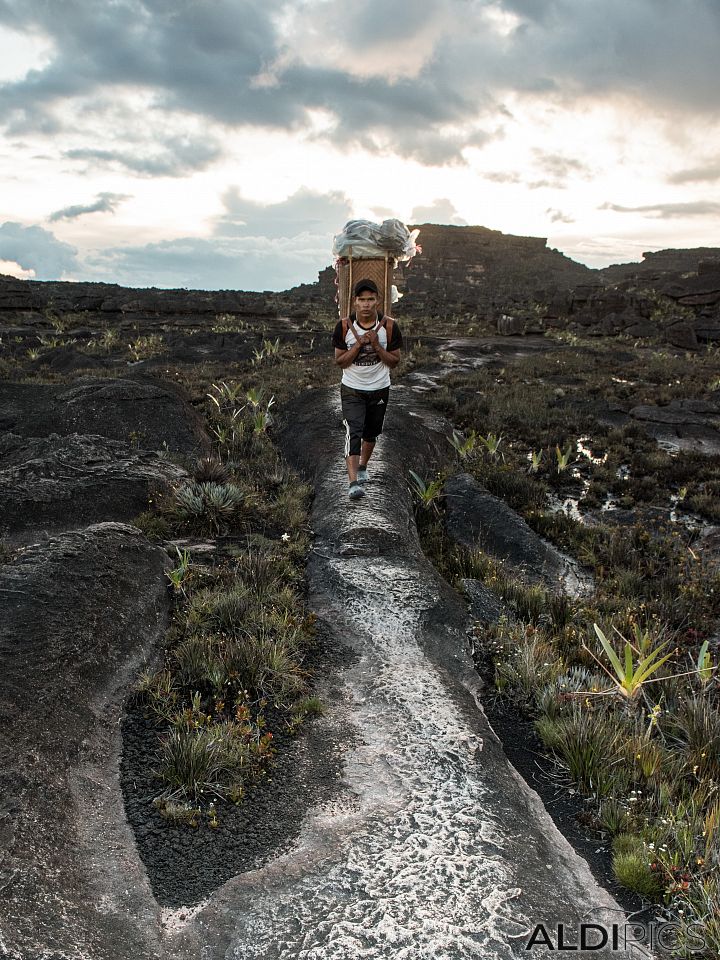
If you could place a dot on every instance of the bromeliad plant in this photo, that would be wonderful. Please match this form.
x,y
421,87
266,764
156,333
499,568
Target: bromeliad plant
x,y
491,443
636,667
563,457
178,575
464,446
704,666
426,493
535,457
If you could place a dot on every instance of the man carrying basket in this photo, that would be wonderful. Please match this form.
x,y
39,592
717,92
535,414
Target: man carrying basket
x,y
367,346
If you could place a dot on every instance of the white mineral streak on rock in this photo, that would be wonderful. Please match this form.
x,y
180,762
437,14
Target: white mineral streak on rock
x,y
437,849
424,874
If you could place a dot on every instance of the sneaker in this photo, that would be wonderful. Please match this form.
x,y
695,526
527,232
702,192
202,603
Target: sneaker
x,y
355,491
362,475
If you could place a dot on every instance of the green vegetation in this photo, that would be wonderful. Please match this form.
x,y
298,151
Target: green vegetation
x,y
234,660
622,685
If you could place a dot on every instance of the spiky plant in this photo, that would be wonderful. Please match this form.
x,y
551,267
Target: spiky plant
x,y
210,469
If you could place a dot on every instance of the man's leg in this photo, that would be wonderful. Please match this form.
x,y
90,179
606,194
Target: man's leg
x,y
353,409
372,427
366,451
353,462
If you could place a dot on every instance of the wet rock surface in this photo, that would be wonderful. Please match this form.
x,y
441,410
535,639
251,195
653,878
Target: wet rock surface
x,y
55,482
80,612
682,424
437,847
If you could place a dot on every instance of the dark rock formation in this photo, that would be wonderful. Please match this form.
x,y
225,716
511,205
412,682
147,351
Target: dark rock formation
x,y
476,518
516,283
72,883
485,272
14,294
522,286
124,306
661,262
483,605
683,424
142,412
56,483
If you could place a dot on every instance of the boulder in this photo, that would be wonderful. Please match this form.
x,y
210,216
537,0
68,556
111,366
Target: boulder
x,y
80,614
483,604
476,518
67,359
146,413
56,483
681,334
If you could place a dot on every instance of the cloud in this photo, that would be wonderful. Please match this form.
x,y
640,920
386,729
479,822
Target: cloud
x,y
557,216
254,246
426,81
176,158
305,212
439,211
34,248
502,176
104,203
559,166
228,263
710,172
9,268
670,211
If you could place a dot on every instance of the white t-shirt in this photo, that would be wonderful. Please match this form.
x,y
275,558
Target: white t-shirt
x,y
367,371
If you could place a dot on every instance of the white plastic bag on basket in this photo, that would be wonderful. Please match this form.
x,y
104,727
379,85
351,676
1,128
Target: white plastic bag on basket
x,y
363,238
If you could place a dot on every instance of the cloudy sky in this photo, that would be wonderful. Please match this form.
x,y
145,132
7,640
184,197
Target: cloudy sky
x,y
222,143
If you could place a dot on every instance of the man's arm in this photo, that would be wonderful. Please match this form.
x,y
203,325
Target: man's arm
x,y
343,358
391,358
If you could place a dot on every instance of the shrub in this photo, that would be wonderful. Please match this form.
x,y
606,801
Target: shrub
x,y
695,730
586,744
160,691
530,668
220,609
214,502
210,470
153,525
631,866
213,760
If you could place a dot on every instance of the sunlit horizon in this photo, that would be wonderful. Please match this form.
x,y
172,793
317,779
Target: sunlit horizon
x,y
222,145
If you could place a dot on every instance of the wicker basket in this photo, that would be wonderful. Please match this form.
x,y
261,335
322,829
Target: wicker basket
x,y
351,269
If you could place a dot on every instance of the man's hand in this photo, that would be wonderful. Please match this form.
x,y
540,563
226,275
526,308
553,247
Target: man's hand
x,y
372,338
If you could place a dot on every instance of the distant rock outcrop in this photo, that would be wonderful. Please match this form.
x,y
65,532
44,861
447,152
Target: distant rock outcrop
x,y
522,286
485,272
516,284
41,300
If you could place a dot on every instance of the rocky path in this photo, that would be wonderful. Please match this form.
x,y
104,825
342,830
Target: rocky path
x,y
432,846
438,848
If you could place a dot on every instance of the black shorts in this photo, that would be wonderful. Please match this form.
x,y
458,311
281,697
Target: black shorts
x,y
363,414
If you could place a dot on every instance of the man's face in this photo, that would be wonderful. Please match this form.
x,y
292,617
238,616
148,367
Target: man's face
x,y
366,304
